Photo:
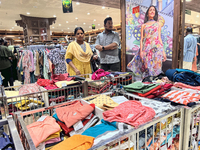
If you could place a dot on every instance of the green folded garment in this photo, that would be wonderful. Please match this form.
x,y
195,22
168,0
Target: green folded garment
x,y
140,87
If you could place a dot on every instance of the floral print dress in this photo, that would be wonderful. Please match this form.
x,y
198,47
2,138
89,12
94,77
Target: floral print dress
x,y
151,63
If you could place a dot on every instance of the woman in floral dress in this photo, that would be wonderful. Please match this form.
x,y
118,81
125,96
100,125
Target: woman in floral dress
x,y
148,61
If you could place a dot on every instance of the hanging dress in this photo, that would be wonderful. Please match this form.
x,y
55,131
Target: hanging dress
x,y
151,63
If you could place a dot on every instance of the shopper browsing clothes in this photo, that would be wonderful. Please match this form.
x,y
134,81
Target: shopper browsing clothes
x,y
107,43
5,64
148,60
189,52
78,55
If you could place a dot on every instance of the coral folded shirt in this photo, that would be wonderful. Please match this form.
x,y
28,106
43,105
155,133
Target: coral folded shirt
x,y
130,112
74,112
41,130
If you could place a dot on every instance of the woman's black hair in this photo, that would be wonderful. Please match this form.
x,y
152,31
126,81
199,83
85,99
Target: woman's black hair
x,y
1,41
146,15
5,43
78,28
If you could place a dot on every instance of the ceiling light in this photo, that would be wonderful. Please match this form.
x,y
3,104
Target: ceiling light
x,y
84,23
88,13
103,7
54,15
28,13
75,25
107,15
90,27
198,16
59,24
189,20
53,27
94,19
188,0
12,27
98,24
67,22
68,28
77,3
15,25
62,30
76,18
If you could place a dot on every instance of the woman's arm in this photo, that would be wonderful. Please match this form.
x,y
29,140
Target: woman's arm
x,y
141,41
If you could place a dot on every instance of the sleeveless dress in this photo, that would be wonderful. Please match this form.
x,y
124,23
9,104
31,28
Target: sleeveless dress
x,y
151,63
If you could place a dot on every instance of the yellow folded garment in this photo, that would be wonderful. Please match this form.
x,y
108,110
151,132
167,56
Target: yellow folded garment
x,y
104,100
23,105
60,84
13,94
76,142
124,74
55,135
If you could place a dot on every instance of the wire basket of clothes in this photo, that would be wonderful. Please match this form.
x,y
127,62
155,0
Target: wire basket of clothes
x,y
32,96
55,124
9,137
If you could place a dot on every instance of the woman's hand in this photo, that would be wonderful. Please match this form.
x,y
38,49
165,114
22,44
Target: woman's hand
x,y
77,72
164,57
95,57
141,55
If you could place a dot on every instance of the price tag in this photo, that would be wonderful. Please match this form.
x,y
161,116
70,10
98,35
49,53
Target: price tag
x,y
42,118
194,130
163,148
89,117
64,84
78,125
170,142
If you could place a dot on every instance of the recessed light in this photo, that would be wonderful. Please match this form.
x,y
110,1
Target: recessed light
x,y
28,13
189,20
94,19
15,25
53,27
54,15
198,16
108,16
98,24
103,7
77,3
84,23
76,18
59,24
10,29
88,13
68,28
67,22
75,25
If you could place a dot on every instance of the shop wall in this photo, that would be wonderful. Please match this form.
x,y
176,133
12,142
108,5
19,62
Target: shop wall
x,y
135,21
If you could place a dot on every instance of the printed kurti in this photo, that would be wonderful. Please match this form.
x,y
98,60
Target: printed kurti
x,y
27,67
151,63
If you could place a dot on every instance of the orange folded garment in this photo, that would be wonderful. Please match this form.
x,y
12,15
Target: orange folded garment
x,y
76,142
41,130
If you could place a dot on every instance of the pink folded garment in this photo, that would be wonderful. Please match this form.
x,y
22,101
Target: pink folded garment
x,y
29,88
53,140
98,74
130,112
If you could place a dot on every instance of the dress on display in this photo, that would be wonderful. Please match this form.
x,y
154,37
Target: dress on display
x,y
151,63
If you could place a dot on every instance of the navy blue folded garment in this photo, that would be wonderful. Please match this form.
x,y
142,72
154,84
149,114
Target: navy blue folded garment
x,y
187,77
6,143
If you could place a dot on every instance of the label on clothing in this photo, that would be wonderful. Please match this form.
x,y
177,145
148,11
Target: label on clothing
x,y
78,125
42,118
170,142
64,84
89,117
194,130
163,148
130,115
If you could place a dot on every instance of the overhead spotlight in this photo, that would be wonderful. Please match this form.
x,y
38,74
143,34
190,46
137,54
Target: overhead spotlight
x,y
67,22
88,13
59,24
103,7
84,23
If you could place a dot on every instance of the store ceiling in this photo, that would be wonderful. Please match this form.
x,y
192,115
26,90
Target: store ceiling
x,y
10,11
193,5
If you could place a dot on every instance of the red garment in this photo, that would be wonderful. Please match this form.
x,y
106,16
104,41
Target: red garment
x,y
98,74
104,89
50,87
61,77
45,83
41,130
74,112
68,130
131,112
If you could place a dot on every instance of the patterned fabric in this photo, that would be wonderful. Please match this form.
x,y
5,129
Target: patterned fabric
x,y
27,66
182,97
130,112
58,61
183,86
104,102
151,63
46,69
29,88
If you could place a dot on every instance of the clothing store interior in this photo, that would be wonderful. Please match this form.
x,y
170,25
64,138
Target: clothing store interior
x,y
100,75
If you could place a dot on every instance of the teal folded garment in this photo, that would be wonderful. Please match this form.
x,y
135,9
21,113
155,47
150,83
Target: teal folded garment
x,y
140,87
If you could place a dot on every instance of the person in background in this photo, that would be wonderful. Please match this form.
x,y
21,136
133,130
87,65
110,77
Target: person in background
x,y
55,41
107,44
6,43
79,55
5,60
189,51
